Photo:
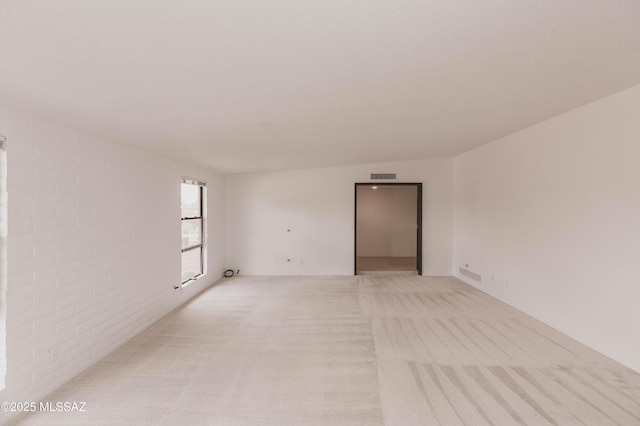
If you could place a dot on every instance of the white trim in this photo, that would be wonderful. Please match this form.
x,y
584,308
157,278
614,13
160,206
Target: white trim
x,y
193,181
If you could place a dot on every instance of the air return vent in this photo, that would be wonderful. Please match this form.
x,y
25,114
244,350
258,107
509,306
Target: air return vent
x,y
469,274
383,175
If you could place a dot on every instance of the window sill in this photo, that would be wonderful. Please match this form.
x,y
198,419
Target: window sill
x,y
191,281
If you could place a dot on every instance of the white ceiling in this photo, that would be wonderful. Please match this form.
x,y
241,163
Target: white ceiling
x,y
264,85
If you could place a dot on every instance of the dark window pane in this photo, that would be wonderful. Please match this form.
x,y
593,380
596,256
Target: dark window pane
x,y
191,232
191,200
191,264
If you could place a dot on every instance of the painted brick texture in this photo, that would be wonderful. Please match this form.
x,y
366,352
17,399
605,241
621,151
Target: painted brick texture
x,y
3,260
93,249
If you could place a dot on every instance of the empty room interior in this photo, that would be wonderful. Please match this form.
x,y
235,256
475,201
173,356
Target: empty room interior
x,y
319,212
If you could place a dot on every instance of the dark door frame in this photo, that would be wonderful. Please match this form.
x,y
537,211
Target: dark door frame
x,y
418,186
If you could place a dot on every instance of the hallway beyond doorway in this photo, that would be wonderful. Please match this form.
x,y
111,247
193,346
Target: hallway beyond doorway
x,y
385,263
388,227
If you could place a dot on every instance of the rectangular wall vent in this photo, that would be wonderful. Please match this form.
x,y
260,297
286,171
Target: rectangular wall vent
x,y
467,273
383,175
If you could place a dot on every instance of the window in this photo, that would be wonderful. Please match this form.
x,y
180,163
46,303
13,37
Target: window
x,y
193,229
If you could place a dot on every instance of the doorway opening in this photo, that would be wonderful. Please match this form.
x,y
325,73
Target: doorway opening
x,y
388,228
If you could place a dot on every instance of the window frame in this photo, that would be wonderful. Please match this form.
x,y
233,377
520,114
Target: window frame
x,y
201,192
4,231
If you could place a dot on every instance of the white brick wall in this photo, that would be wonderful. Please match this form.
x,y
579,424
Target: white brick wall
x,y
93,248
3,260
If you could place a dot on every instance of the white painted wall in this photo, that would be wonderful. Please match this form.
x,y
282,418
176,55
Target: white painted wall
x,y
317,206
550,217
93,248
387,218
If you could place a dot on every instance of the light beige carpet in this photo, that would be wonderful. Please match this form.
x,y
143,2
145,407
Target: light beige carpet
x,y
364,350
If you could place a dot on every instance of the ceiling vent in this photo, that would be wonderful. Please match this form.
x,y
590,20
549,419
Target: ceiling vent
x,y
383,175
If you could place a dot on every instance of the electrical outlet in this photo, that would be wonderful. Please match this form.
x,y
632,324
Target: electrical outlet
x,y
53,355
